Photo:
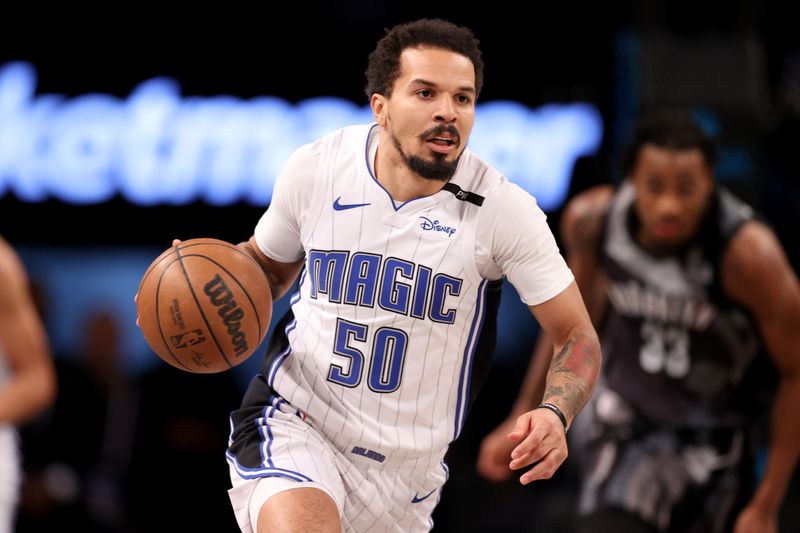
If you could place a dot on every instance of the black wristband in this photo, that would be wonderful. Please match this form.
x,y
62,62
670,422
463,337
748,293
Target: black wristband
x,y
553,407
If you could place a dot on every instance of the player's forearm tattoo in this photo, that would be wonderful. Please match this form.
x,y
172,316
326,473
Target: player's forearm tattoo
x,y
573,373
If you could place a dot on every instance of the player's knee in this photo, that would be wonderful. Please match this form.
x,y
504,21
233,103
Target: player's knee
x,y
307,510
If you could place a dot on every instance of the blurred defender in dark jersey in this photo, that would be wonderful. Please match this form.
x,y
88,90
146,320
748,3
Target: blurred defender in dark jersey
x,y
689,290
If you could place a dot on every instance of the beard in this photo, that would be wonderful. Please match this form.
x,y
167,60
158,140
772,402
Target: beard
x,y
437,169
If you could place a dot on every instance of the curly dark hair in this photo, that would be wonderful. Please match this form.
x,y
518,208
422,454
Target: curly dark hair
x,y
674,130
383,68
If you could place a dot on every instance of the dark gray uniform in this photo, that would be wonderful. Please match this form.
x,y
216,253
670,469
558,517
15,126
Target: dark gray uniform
x,y
667,434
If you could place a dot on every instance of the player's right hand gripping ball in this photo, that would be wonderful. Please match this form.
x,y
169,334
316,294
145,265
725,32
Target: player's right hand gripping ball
x,y
204,305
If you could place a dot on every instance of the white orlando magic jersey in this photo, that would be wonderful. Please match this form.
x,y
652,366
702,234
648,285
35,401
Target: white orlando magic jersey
x,y
392,299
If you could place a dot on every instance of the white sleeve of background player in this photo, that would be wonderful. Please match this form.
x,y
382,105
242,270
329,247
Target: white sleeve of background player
x,y
278,231
523,247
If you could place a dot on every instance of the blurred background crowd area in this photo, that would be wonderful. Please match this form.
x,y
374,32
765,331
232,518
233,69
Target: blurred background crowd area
x,y
134,445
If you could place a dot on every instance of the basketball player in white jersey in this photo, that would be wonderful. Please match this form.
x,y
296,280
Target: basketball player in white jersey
x,y
403,236
27,378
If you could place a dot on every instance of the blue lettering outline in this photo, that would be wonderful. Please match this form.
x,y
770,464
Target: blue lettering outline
x,y
444,285
362,280
345,331
381,355
334,278
396,292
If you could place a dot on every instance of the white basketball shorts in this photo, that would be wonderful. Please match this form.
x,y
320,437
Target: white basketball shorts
x,y
372,492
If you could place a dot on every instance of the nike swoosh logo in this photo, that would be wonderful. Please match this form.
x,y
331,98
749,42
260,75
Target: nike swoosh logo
x,y
341,207
417,499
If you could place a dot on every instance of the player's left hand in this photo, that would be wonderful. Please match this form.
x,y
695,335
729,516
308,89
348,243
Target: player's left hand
x,y
755,520
543,442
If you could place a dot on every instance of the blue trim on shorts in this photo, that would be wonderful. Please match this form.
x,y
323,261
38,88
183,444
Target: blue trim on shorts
x,y
276,401
262,424
266,444
439,496
252,473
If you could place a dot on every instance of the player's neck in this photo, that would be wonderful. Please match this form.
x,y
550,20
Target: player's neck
x,y
399,180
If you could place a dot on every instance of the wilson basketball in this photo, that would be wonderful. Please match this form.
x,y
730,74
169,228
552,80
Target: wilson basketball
x,y
204,305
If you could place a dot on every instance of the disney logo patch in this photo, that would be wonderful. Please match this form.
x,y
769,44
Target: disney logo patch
x,y
434,225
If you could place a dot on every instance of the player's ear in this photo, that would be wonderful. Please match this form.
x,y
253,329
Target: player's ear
x,y
378,105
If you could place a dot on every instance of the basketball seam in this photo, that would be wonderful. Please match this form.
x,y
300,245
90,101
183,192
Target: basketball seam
x,y
229,246
200,308
151,269
210,242
158,319
244,290
171,251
